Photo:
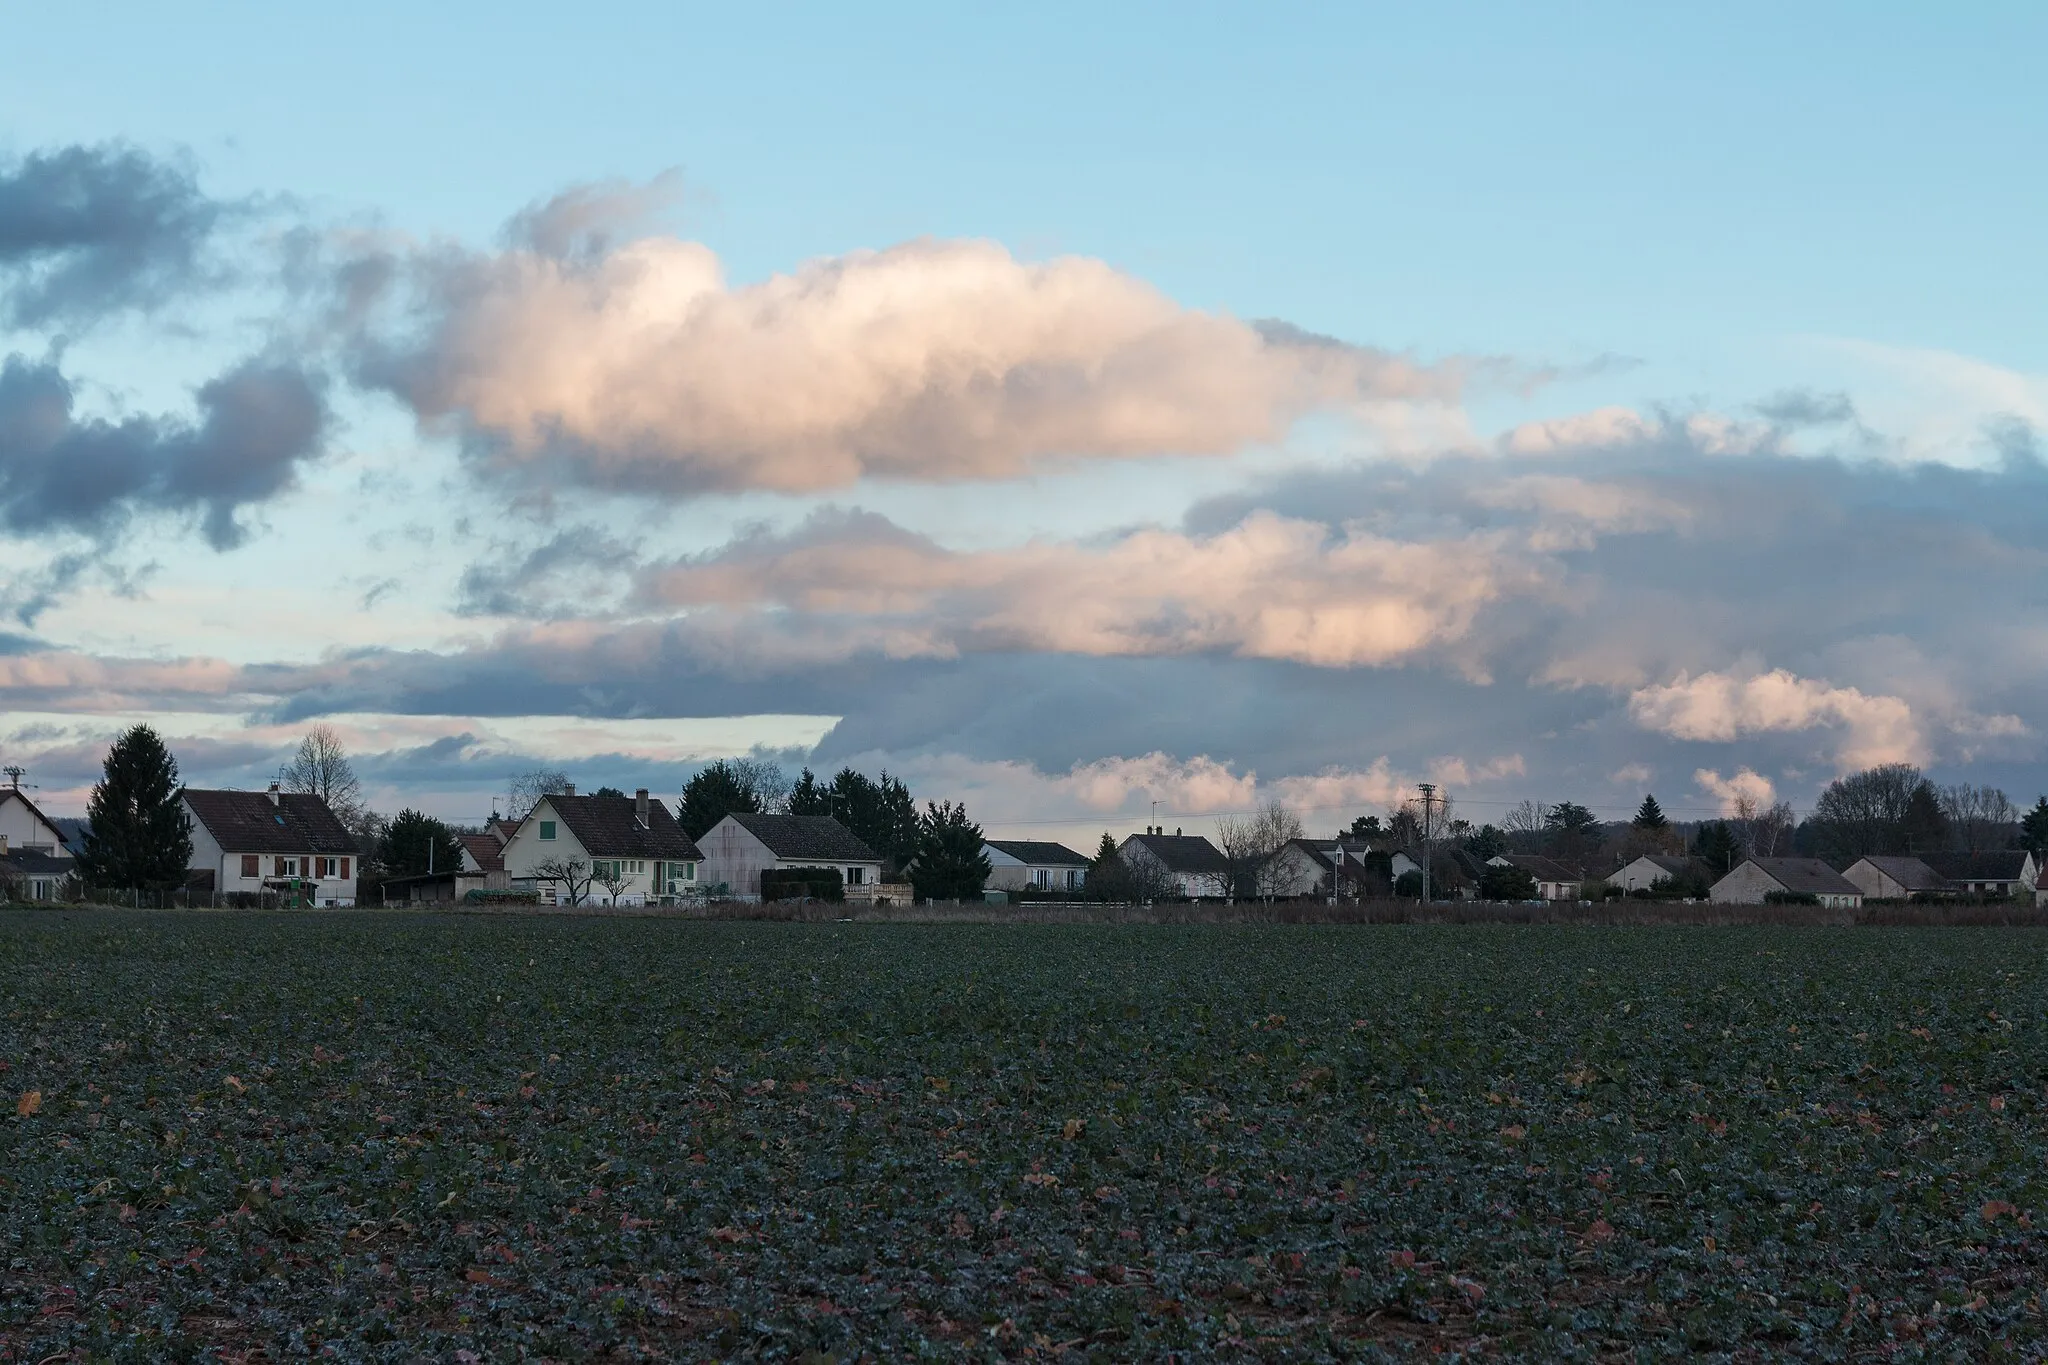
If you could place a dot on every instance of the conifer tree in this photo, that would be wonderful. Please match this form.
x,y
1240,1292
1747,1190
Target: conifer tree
x,y
139,837
1650,816
950,862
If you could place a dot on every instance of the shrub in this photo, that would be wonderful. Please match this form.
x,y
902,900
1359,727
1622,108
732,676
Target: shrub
x,y
1790,898
802,883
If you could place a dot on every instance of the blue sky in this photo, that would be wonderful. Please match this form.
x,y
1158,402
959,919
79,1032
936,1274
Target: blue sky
x,y
1684,214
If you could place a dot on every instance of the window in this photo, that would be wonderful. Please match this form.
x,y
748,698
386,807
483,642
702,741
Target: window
x,y
639,866
682,872
333,869
252,866
547,829
855,876
285,867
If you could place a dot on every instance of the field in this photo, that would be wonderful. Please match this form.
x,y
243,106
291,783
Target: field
x,y
381,1136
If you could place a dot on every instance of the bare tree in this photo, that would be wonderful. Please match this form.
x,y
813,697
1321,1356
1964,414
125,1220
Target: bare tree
x,y
321,766
1248,843
1523,825
1979,818
610,874
767,782
571,874
526,789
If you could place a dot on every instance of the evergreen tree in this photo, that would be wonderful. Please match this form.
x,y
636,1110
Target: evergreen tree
x,y
1486,842
1923,828
2034,828
1366,827
712,794
1572,831
950,863
609,791
1105,852
810,796
1649,817
414,843
1715,846
140,837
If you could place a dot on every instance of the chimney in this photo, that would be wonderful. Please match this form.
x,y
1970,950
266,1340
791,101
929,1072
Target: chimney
x,y
273,793
568,789
640,808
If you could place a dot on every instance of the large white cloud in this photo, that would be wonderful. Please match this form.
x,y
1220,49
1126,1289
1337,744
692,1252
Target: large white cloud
x,y
1722,707
1271,588
641,366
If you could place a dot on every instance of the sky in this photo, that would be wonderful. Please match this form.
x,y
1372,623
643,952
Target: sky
x,y
1086,412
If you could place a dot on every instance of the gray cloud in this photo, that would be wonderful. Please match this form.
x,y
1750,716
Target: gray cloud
x,y
88,230
1807,408
60,472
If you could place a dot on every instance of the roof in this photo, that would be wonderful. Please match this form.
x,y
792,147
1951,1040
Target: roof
x,y
485,848
1672,863
1911,873
806,836
1541,868
1038,853
1317,853
1182,852
250,822
609,827
73,829
1809,875
1994,865
24,863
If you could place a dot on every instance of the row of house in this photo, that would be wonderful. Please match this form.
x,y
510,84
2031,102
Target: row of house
x,y
631,850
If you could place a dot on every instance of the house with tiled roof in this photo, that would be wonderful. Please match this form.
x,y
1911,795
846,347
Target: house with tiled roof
x,y
285,843
1191,865
739,848
1897,879
1555,880
1987,872
24,827
615,850
1756,880
1033,865
1644,872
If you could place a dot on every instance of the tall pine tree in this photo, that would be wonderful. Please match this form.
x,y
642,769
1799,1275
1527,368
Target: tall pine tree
x,y
2034,827
140,837
1649,817
950,865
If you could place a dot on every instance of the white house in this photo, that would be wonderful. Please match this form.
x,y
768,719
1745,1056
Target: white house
x,y
23,827
1189,864
1756,879
1645,872
605,850
739,848
1032,865
1896,879
287,843
1991,872
1554,880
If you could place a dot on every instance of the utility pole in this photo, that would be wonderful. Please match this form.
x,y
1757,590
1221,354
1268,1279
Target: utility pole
x,y
1428,790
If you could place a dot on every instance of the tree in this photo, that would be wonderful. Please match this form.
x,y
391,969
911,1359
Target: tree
x,y
1923,828
1865,812
1507,884
2034,828
140,836
321,766
881,814
810,796
1366,827
714,792
1649,817
611,874
526,789
1248,843
415,843
1979,818
1486,842
1571,831
571,874
609,791
1105,852
1715,846
950,865
765,780
1523,825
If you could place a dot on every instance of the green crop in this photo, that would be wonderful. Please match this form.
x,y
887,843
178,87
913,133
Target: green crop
x,y
382,1136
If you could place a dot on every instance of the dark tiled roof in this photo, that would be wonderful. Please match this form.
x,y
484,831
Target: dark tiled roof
x,y
807,836
24,863
2001,865
609,827
1807,874
1182,852
74,828
1039,853
485,848
1911,873
1315,850
1671,863
248,822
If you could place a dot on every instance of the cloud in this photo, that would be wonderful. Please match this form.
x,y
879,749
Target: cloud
x,y
88,230
1269,587
1722,707
638,366
1745,789
1805,407
62,472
